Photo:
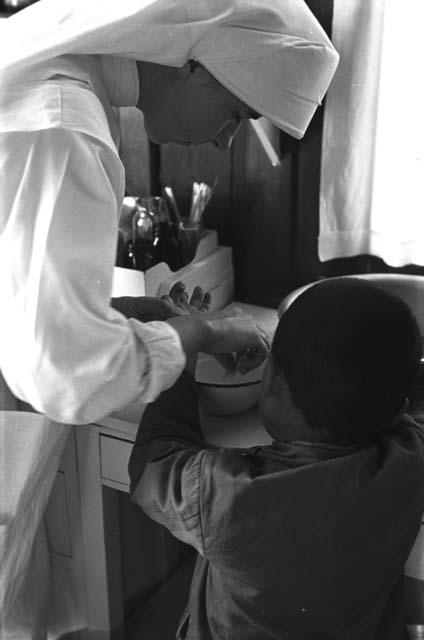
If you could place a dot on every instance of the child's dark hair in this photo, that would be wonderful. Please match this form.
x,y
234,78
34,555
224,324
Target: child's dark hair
x,y
350,352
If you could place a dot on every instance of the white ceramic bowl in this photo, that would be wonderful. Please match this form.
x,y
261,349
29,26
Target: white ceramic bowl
x,y
226,400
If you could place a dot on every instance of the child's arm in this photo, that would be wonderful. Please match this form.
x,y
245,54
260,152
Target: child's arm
x,y
173,416
165,464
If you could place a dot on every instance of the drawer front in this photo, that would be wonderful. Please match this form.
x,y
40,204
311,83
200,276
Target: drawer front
x,y
114,456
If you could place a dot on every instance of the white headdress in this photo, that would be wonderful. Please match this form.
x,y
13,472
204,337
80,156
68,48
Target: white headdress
x,y
272,54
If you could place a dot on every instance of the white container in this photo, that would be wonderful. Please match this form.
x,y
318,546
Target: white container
x,y
211,269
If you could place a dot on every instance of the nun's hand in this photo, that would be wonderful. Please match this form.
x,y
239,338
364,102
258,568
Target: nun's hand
x,y
241,345
234,335
241,360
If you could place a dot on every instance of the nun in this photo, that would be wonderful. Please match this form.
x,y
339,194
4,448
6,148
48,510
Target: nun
x,y
196,69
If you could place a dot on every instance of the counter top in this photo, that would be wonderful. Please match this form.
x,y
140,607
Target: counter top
x,y
240,430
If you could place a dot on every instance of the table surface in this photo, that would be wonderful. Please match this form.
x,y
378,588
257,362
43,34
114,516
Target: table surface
x,y
239,430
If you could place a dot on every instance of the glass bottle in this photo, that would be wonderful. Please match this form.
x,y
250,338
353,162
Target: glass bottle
x,y
142,250
166,244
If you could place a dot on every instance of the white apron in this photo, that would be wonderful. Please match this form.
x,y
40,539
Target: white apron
x,y
30,450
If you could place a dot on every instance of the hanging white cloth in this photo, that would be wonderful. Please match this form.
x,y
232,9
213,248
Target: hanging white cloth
x,y
30,449
373,142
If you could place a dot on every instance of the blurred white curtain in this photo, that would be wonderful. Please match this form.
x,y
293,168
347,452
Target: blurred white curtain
x,y
372,180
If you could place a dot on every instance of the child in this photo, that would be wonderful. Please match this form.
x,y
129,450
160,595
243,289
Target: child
x,y
308,537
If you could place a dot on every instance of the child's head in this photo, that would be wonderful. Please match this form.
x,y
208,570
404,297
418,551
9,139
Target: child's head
x,y
344,357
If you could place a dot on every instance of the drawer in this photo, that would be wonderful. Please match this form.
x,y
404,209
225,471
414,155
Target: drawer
x,y
114,456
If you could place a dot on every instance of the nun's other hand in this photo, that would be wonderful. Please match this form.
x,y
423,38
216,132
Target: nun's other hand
x,y
199,302
247,358
145,308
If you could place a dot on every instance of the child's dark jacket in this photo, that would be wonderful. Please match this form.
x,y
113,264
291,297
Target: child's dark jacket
x,y
295,541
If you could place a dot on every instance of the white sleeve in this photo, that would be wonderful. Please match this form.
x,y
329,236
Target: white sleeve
x,y
63,349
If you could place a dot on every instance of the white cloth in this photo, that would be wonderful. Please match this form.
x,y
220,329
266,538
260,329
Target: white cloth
x,y
373,141
30,451
272,54
63,349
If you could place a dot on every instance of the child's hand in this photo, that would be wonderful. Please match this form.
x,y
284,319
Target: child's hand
x,y
145,308
149,308
199,302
